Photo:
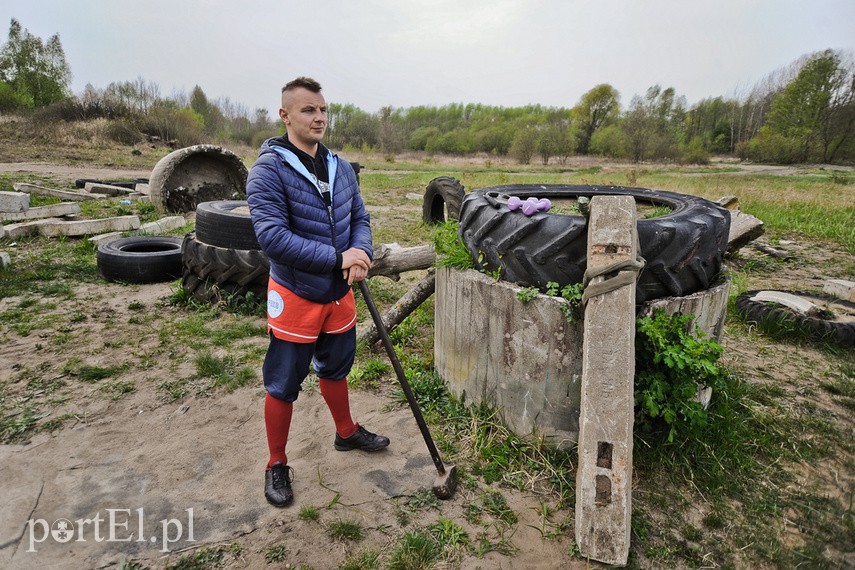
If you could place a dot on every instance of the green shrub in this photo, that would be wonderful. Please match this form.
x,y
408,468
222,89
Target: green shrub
x,y
670,365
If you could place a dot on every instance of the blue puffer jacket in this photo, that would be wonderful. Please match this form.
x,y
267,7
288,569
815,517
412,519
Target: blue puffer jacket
x,y
300,236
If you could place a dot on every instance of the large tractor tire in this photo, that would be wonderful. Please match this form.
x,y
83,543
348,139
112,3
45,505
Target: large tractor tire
x,y
212,274
683,249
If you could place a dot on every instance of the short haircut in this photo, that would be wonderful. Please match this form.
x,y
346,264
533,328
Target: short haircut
x,y
305,83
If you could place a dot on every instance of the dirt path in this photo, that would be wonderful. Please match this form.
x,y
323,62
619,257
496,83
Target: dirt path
x,y
72,172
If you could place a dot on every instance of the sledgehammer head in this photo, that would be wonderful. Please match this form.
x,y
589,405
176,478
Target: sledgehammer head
x,y
445,483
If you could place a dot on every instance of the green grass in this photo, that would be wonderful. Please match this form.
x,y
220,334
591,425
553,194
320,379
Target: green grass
x,y
343,530
368,560
415,550
309,513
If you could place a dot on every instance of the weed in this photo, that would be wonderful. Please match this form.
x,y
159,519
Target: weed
x,y
200,560
118,390
309,513
368,375
416,550
275,553
16,426
225,371
449,534
346,530
175,389
423,499
526,294
368,560
56,424
91,374
495,504
670,366
572,295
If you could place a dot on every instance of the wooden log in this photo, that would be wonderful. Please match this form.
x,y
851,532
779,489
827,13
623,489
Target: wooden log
x,y
420,293
390,259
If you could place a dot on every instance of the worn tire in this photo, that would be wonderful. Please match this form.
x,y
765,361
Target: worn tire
x,y
140,259
839,332
683,249
442,200
209,271
217,223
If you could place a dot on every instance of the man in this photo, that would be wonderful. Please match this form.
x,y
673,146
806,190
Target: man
x,y
311,222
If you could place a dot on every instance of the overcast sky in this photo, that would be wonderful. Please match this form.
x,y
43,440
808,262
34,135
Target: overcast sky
x,y
403,53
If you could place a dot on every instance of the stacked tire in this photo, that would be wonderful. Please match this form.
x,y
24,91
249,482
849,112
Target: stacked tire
x,y
222,259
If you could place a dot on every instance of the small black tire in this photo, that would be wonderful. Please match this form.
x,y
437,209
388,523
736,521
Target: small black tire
x,y
442,200
140,259
841,332
222,224
81,182
683,250
209,271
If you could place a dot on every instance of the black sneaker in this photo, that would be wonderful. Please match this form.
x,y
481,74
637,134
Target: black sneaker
x,y
361,439
277,485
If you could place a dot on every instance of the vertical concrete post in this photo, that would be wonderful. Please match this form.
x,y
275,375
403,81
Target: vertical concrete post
x,y
604,475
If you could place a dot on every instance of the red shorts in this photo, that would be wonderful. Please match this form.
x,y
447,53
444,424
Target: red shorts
x,y
292,318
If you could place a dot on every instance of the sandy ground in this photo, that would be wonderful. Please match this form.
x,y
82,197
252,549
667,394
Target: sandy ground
x,y
124,474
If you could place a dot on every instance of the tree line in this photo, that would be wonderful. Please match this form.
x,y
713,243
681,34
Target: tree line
x,y
804,112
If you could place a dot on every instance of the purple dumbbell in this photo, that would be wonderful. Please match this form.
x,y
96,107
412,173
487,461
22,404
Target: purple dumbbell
x,y
514,203
529,207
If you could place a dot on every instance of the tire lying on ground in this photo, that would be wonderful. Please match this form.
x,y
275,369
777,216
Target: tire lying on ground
x,y
225,223
212,274
683,249
443,194
201,173
837,327
140,259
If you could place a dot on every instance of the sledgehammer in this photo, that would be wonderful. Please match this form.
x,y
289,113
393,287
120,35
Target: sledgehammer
x,y
446,479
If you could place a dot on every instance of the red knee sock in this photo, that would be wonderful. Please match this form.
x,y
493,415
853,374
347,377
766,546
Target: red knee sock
x,y
335,395
277,420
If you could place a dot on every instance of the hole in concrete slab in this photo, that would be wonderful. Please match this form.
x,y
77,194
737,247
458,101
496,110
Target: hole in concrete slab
x,y
604,491
611,248
604,454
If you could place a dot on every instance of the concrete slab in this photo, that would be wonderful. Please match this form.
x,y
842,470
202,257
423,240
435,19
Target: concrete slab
x,y
798,304
42,191
160,226
840,288
604,473
41,212
106,189
57,227
14,202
